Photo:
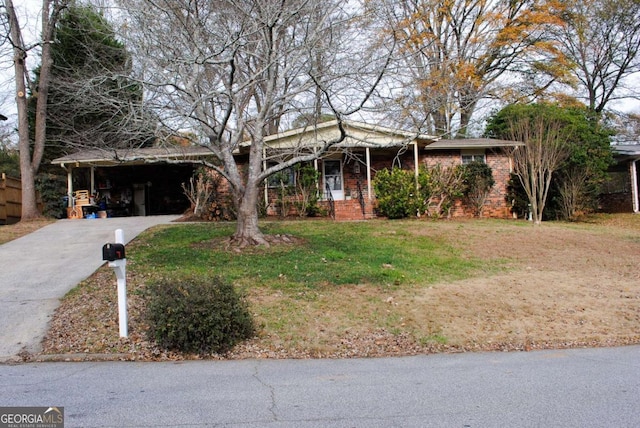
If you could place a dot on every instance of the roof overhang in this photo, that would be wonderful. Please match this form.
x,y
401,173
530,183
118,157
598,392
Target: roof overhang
x,y
353,125
626,151
472,143
358,135
99,157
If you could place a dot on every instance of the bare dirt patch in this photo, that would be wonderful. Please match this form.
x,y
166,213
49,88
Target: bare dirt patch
x,y
227,244
564,285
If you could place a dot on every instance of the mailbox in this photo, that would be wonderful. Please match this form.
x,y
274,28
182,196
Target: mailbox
x,y
112,252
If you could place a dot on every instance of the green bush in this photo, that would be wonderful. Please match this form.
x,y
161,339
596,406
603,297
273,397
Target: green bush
x,y
198,315
306,190
478,181
397,195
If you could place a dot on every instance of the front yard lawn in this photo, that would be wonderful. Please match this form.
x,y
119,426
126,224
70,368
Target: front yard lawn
x,y
384,287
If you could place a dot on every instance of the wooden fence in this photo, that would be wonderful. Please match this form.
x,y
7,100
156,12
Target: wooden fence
x,y
10,199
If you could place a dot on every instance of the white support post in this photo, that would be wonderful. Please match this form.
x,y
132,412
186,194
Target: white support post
x,y
368,158
120,269
70,203
416,167
634,186
315,166
266,182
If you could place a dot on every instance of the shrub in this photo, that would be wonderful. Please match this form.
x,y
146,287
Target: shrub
x,y
198,315
306,190
478,181
396,193
517,197
437,189
208,199
446,184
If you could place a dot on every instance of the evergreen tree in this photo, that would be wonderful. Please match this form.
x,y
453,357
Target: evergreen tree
x,y
92,100
9,160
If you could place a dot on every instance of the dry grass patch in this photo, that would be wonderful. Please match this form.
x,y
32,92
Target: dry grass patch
x,y
14,231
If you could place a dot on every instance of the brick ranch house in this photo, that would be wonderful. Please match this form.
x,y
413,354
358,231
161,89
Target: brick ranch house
x,y
348,169
147,181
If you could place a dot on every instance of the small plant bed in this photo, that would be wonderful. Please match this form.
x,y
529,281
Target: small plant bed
x,y
379,288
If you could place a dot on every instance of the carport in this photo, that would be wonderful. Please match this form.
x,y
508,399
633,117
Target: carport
x,y
130,182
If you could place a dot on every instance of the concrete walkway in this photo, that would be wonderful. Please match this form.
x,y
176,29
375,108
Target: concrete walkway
x,y
37,270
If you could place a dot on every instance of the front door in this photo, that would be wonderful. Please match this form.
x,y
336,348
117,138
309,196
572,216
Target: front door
x,y
333,178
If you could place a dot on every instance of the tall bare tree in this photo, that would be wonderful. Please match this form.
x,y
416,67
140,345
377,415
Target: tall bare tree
x,y
458,52
31,154
602,39
231,71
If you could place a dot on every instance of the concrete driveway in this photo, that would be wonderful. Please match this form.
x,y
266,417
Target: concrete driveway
x,y
40,268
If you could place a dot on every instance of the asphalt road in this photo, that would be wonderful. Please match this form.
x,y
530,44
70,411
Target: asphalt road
x,y
568,388
37,270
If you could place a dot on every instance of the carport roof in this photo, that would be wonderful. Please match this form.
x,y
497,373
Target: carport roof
x,y
99,157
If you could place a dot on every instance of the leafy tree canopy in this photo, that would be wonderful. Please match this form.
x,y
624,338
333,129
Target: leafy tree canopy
x,y
585,139
85,42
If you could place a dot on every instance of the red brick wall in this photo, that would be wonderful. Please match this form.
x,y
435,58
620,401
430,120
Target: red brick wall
x,y
496,205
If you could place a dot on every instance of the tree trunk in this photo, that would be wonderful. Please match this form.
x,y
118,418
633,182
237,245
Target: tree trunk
x,y
29,195
468,102
465,119
27,171
247,230
440,123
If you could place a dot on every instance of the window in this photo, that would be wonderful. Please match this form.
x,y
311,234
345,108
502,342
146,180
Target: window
x,y
469,156
619,182
286,178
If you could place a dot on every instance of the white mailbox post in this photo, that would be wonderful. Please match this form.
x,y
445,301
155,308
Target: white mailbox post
x,y
115,255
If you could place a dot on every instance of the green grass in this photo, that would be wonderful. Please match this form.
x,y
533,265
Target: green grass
x,y
377,252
